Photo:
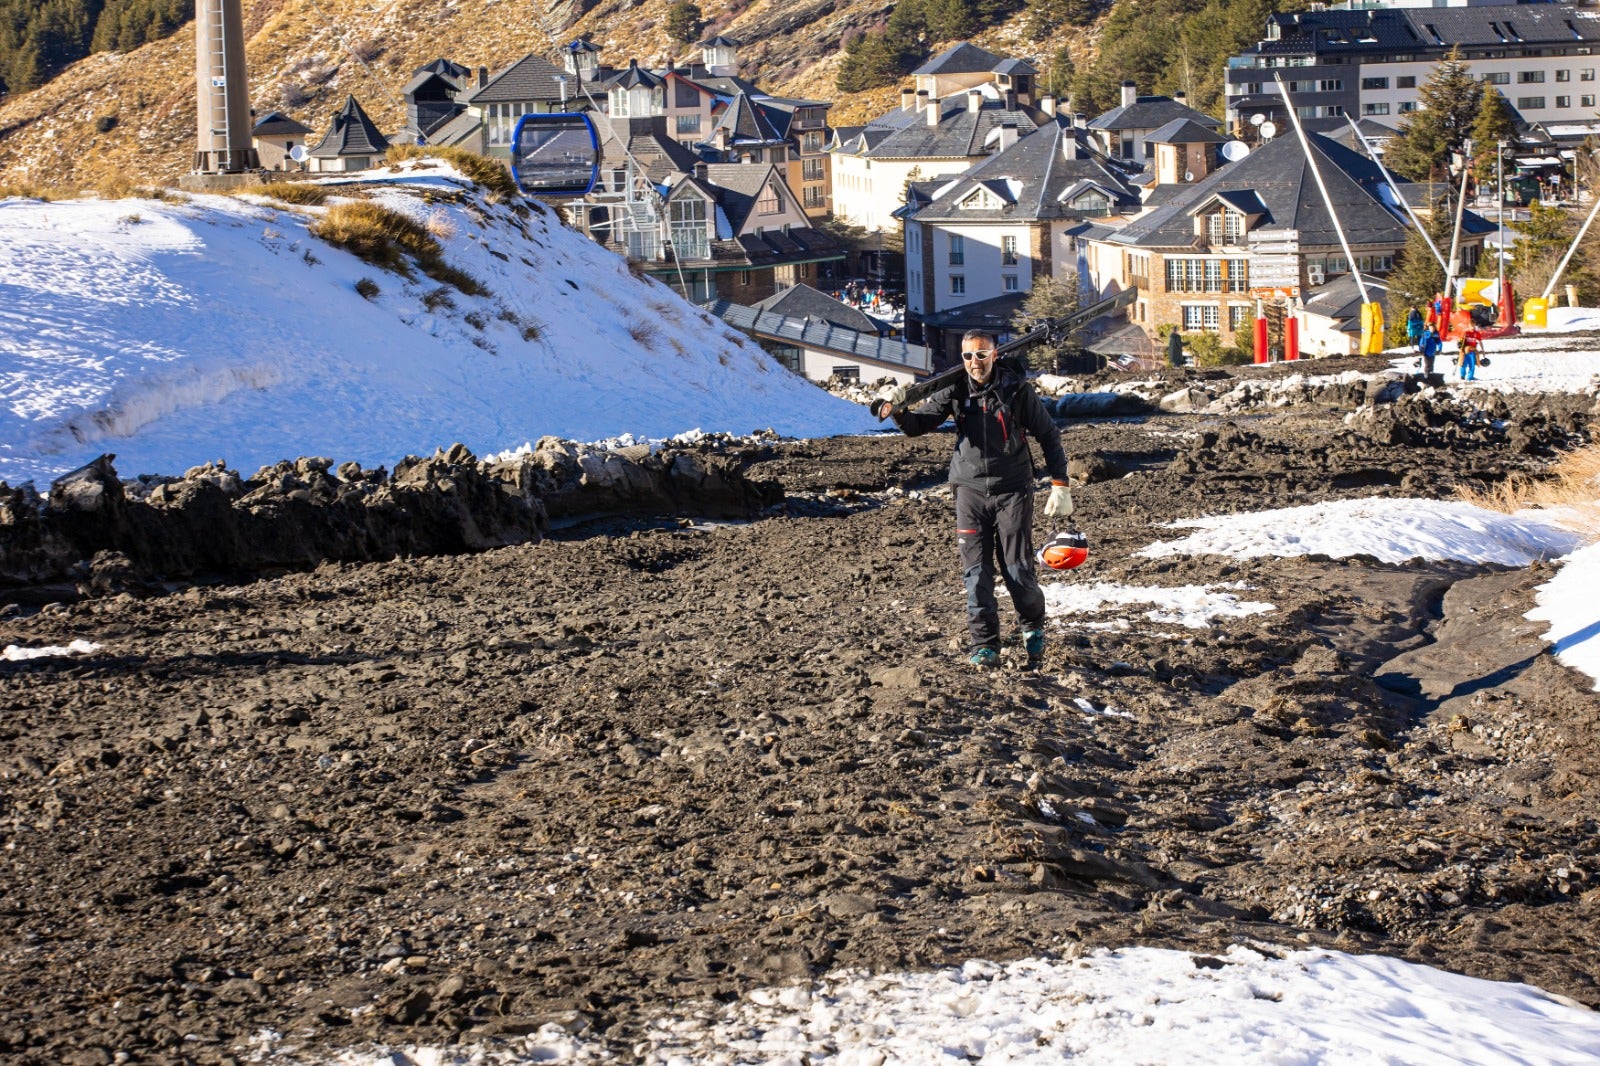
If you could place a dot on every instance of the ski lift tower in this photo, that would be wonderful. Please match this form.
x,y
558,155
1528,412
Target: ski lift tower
x,y
222,90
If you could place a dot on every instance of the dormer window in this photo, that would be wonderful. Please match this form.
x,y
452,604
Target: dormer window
x,y
641,101
1225,227
981,199
1091,202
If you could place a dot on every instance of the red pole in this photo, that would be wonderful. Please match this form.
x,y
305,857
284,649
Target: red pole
x,y
1261,333
1291,335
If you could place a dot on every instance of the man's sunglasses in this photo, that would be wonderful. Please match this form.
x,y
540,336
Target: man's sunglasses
x,y
980,354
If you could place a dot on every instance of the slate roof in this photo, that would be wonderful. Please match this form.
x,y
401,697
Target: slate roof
x,y
1340,300
803,301
961,133
963,58
736,186
1031,178
277,124
1279,176
648,141
994,314
1436,29
1185,131
1013,67
352,133
1150,113
747,122
529,78
720,41
823,335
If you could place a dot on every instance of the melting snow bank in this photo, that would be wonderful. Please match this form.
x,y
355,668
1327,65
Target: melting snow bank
x,y
1389,530
16,653
1111,1007
1191,606
1567,603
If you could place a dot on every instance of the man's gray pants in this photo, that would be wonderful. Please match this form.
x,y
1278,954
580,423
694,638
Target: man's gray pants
x,y
987,528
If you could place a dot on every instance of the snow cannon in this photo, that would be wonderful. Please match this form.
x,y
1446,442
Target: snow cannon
x,y
1065,551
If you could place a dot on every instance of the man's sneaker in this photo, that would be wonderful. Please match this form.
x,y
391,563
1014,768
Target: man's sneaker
x,y
985,657
1033,640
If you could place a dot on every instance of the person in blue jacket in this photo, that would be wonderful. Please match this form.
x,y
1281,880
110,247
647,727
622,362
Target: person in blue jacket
x,y
1429,345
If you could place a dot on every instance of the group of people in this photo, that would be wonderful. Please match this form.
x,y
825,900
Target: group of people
x,y
874,301
1422,332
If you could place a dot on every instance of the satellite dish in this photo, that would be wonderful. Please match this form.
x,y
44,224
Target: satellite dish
x,y
298,153
1269,130
1233,151
1188,175
1257,119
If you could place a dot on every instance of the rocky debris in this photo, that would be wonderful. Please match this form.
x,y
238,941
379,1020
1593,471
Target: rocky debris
x,y
96,535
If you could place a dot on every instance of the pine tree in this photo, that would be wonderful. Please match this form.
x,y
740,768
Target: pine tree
x,y
1051,297
1447,105
1494,125
1417,277
684,20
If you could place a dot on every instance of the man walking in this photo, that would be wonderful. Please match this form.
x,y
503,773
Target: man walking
x,y
995,411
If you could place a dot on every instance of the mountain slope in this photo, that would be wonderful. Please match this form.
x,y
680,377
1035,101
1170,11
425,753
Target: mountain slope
x,y
113,117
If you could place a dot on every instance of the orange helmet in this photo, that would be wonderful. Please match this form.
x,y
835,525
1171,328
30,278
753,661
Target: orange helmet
x,y
1064,551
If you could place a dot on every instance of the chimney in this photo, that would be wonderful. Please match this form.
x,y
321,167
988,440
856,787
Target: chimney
x,y
974,101
1070,147
702,171
922,99
1130,94
934,112
1182,98
1080,121
1011,99
1047,104
1008,135
908,99
483,76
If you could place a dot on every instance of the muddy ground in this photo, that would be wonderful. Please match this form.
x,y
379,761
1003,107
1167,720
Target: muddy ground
x,y
648,762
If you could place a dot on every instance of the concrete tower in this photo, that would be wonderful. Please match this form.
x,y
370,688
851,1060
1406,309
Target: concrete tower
x,y
222,89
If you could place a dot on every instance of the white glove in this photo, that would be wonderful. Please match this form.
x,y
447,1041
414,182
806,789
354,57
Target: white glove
x,y
1059,505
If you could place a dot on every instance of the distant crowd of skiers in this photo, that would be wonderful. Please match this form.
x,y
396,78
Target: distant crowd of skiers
x,y
1422,332
874,301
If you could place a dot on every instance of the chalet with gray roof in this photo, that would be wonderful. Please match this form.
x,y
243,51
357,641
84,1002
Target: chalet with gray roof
x,y
530,85
918,140
352,142
1124,131
804,301
821,349
435,94
991,233
275,135
1255,229
733,230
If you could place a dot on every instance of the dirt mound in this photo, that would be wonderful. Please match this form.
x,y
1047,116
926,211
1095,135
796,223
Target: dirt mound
x,y
637,764
95,535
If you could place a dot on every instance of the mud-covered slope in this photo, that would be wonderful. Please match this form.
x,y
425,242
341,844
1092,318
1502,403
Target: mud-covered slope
x,y
645,762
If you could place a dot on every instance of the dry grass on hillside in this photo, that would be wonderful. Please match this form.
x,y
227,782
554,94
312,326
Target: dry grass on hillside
x,y
1572,487
385,237
489,173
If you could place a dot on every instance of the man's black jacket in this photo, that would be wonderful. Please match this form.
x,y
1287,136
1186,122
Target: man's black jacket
x,y
993,423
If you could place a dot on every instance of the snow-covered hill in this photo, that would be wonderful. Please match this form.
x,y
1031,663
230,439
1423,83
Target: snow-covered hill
x,y
179,331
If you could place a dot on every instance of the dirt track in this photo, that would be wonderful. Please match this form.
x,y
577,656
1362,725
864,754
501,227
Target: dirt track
x,y
646,763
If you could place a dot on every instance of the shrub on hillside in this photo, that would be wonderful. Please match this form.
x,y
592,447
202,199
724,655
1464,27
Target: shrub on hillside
x,y
384,237
291,192
481,170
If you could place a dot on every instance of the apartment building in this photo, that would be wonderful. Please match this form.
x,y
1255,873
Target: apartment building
x,y
1370,62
